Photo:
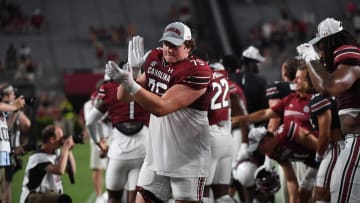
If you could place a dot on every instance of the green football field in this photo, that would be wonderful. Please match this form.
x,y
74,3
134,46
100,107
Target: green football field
x,y
81,191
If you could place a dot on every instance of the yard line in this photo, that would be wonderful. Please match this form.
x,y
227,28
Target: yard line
x,y
91,198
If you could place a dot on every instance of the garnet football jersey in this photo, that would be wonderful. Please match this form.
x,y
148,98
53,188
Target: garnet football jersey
x,y
192,72
122,146
220,98
350,55
120,111
289,149
179,143
234,88
294,108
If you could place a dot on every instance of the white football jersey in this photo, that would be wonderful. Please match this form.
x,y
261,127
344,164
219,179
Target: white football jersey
x,y
179,144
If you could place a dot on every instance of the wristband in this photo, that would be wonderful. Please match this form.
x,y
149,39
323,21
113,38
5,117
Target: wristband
x,y
132,88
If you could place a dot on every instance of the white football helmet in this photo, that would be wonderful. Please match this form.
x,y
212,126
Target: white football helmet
x,y
244,173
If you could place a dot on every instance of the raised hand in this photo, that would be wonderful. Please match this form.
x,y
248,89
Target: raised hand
x,y
116,73
136,54
122,76
69,142
307,52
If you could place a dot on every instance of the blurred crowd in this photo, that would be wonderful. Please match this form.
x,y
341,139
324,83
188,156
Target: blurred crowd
x,y
13,19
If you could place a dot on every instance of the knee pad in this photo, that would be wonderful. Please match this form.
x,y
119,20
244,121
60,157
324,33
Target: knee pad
x,y
225,199
64,198
148,196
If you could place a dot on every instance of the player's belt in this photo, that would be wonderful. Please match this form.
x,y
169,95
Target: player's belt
x,y
129,128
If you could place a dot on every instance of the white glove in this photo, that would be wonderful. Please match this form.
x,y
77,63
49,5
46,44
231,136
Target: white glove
x,y
307,52
268,165
123,77
243,152
136,54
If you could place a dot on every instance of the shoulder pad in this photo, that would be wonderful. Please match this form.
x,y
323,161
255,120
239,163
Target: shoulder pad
x,y
345,53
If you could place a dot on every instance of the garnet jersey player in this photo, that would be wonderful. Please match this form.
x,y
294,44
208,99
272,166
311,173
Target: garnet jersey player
x,y
338,74
160,77
289,143
221,139
127,148
220,95
293,107
174,89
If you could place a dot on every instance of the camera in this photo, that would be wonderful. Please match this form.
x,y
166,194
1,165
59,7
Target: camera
x,y
30,101
77,138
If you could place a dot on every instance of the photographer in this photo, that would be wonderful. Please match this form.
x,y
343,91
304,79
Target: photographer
x,y
5,108
17,122
42,181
